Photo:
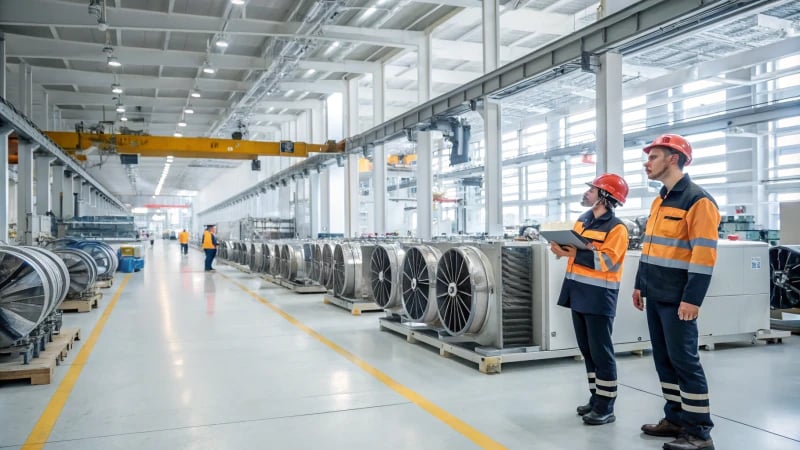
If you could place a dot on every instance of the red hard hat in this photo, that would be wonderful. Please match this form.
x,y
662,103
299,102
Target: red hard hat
x,y
674,142
613,185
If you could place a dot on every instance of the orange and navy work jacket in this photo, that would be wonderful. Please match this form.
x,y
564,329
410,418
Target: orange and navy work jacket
x,y
209,240
183,237
591,285
680,245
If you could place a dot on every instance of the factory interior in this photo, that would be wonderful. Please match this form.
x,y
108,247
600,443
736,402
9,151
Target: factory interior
x,y
346,224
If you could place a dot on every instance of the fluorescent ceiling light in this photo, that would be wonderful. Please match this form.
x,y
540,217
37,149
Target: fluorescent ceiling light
x,y
209,70
120,108
237,2
123,118
188,111
195,93
116,88
113,61
181,124
221,43
177,134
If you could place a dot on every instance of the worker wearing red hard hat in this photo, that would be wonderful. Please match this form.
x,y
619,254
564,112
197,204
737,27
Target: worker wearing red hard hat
x,y
678,254
591,287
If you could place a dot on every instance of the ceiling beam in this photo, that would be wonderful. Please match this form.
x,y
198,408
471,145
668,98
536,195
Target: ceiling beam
x,y
80,98
61,77
73,15
456,3
34,47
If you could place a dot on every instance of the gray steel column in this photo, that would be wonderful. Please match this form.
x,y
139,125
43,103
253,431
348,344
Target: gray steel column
x,y
45,110
326,193
25,191
5,131
67,197
42,168
493,168
379,153
3,84
491,36
424,185
610,143
351,222
28,91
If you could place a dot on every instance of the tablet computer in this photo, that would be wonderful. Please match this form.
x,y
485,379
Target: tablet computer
x,y
565,237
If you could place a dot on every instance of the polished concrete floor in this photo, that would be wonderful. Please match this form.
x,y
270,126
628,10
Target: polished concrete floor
x,y
196,360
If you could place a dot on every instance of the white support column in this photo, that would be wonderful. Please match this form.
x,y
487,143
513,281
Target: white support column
x,y
350,104
42,168
5,131
491,36
493,168
28,91
424,69
3,88
25,191
67,196
314,200
317,135
610,143
325,193
424,185
45,110
379,153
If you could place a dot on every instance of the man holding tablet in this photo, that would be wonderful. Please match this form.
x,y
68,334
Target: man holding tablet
x,y
591,287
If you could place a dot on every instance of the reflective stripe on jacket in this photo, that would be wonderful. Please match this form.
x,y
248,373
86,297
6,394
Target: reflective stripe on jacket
x,y
209,241
591,285
680,245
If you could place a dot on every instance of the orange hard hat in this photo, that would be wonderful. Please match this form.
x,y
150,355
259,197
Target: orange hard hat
x,y
673,142
613,185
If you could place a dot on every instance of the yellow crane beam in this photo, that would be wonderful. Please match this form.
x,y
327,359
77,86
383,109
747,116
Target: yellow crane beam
x,y
187,147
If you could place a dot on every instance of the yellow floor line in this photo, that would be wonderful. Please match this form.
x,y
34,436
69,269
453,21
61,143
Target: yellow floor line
x,y
44,426
452,421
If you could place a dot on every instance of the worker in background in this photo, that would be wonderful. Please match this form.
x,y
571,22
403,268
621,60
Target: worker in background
x,y
183,238
679,250
591,288
209,244
151,239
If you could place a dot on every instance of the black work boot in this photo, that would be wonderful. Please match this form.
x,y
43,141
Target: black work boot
x,y
595,418
664,428
584,409
690,442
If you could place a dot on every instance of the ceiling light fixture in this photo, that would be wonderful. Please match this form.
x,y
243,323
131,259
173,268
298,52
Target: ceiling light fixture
x,y
195,93
289,92
209,70
124,118
176,134
221,42
188,110
181,124
116,88
237,2
113,61
120,108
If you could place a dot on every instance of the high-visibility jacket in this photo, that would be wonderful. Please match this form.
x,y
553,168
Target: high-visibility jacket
x,y
209,240
183,237
680,245
591,285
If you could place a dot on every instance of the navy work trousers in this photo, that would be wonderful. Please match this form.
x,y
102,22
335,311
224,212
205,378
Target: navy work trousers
x,y
683,382
210,254
593,333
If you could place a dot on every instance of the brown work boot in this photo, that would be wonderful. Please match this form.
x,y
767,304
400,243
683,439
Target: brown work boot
x,y
664,428
689,442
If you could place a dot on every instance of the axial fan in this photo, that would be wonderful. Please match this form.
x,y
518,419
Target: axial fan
x,y
464,282
275,261
292,264
347,270
418,288
384,275
316,263
327,265
82,269
784,263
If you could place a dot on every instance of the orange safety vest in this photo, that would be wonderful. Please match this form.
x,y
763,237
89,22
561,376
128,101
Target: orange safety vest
x,y
183,237
208,241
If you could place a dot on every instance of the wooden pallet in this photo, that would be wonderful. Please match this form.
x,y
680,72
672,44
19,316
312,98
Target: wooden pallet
x,y
302,288
41,369
355,307
83,304
104,284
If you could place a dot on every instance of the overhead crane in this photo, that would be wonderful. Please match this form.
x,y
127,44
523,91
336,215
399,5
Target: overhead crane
x,y
76,143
